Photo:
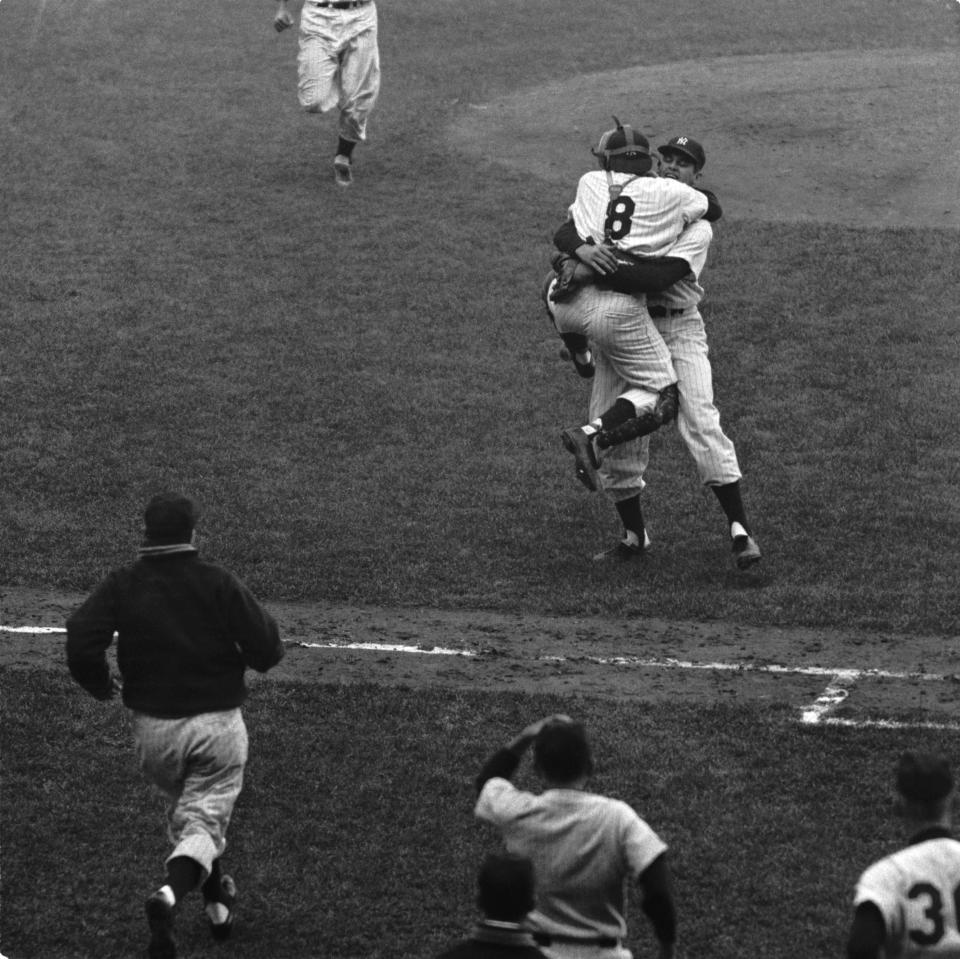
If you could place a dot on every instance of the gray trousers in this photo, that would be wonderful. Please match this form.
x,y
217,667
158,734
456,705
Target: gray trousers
x,y
197,762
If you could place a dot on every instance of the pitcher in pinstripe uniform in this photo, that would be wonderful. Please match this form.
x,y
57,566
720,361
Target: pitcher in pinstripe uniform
x,y
676,315
339,67
186,631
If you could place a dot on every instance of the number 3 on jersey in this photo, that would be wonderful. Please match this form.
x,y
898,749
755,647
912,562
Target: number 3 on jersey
x,y
618,221
932,913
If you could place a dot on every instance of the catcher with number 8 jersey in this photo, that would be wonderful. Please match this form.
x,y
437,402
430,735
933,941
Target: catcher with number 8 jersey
x,y
638,213
621,209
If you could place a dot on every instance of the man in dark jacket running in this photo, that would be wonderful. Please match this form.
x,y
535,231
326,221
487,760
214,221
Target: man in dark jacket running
x,y
186,631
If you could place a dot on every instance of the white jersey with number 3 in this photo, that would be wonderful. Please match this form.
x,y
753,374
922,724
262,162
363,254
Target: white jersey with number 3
x,y
918,892
645,219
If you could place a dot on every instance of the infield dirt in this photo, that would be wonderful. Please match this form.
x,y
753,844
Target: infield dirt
x,y
576,657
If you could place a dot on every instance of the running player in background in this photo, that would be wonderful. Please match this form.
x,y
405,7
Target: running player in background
x,y
338,66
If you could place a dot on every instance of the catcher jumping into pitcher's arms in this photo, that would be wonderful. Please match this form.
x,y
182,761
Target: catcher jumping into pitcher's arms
x,y
585,847
186,632
666,288
623,204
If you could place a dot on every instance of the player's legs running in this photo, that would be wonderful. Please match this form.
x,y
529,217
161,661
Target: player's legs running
x,y
359,76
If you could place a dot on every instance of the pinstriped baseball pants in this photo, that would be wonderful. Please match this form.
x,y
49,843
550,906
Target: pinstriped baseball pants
x,y
339,64
632,361
197,762
698,420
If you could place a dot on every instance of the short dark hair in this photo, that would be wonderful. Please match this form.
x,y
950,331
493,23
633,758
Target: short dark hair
x,y
169,518
924,777
561,752
505,886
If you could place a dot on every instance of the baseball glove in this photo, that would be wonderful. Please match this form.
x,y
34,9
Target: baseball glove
x,y
565,266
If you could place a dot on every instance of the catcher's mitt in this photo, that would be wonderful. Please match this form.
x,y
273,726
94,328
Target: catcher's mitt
x,y
565,266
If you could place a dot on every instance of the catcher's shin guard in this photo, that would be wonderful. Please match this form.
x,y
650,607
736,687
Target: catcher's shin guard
x,y
667,404
664,411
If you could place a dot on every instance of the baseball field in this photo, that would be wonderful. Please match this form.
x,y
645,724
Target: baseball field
x,y
363,392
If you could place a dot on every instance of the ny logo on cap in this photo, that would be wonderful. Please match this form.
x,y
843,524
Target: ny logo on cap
x,y
681,141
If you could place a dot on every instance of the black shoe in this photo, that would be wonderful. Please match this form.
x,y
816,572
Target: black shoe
x,y
342,171
581,445
228,896
746,553
624,551
160,918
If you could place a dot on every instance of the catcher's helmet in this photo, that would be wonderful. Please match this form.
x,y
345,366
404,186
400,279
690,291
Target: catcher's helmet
x,y
622,141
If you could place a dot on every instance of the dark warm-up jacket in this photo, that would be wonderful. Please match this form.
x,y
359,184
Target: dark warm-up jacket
x,y
186,629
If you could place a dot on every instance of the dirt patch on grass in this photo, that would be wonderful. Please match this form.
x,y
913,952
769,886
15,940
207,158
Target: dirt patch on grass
x,y
649,660
861,138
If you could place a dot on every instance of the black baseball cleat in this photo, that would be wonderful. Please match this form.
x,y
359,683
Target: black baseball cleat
x,y
342,172
746,553
577,442
624,551
160,919
220,912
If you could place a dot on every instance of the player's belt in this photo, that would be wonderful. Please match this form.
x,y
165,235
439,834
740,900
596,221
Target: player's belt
x,y
340,4
661,311
548,939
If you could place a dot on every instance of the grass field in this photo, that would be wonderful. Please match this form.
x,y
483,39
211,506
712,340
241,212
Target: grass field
x,y
363,393
355,839
361,387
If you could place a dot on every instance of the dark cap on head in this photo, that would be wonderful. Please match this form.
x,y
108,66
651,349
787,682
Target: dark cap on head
x,y
924,777
688,146
170,518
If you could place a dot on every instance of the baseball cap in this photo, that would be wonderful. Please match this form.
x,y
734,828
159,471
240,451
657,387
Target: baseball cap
x,y
170,518
688,146
621,141
924,777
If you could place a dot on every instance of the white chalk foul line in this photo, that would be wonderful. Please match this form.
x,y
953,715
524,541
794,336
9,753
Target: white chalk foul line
x,y
817,714
390,648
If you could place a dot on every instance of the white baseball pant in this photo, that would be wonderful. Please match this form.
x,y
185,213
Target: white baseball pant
x,y
698,420
632,361
197,762
339,64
